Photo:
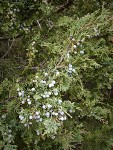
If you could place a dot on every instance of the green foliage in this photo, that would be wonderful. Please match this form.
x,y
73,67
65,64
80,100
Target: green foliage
x,y
56,75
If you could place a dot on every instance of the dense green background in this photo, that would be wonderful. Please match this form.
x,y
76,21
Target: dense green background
x,y
56,26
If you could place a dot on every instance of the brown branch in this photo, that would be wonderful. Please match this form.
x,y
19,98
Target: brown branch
x,y
9,49
64,6
8,99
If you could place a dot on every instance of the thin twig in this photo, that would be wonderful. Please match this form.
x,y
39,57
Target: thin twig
x,y
9,49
